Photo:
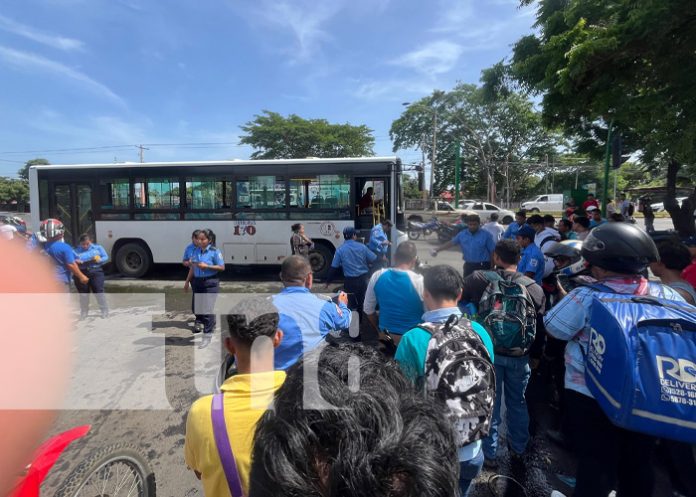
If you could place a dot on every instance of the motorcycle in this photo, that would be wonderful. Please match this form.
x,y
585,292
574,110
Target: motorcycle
x,y
445,232
415,228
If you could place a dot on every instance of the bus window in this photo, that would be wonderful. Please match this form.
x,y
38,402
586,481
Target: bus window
x,y
208,193
156,193
113,194
323,191
261,192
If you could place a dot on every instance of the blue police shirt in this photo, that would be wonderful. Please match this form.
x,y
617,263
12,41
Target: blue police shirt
x,y
305,320
511,231
532,261
188,252
354,257
211,256
594,224
377,239
62,254
476,247
87,256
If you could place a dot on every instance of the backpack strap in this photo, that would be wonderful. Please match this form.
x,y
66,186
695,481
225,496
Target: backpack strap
x,y
222,441
547,239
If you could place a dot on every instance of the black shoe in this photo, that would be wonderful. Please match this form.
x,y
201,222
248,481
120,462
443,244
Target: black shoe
x,y
197,328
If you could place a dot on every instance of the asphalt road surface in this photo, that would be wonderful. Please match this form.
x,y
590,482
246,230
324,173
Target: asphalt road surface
x,y
137,373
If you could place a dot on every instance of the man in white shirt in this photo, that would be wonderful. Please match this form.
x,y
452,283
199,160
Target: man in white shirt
x,y
399,293
494,227
7,231
544,239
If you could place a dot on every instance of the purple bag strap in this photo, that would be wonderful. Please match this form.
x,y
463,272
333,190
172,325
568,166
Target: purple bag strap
x,y
222,441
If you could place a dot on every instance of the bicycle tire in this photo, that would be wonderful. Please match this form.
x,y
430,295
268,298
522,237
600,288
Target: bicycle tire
x,y
123,453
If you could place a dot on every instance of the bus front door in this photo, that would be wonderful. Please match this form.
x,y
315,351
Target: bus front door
x,y
72,204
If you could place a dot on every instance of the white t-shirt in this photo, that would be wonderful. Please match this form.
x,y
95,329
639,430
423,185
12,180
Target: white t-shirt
x,y
7,231
495,229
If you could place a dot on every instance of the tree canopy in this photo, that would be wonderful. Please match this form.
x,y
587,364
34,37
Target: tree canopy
x,y
13,190
292,137
23,173
502,140
598,61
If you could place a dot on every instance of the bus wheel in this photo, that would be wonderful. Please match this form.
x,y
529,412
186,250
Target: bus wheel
x,y
320,258
133,260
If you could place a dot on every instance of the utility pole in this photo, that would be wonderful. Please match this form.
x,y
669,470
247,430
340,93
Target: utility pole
x,y
434,155
457,167
142,159
605,191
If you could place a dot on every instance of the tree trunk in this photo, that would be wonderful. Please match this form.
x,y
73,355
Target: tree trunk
x,y
682,217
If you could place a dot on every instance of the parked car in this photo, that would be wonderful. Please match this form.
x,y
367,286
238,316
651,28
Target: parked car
x,y
462,203
484,211
444,211
546,203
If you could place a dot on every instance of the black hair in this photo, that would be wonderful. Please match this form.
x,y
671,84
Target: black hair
x,y
443,282
296,227
354,427
494,216
590,194
582,221
209,234
674,255
195,233
473,217
252,318
567,223
548,218
84,237
522,214
535,219
508,251
405,252
295,269
617,217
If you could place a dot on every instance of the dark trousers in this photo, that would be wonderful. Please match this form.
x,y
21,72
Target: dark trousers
x,y
94,285
205,292
356,287
470,267
609,457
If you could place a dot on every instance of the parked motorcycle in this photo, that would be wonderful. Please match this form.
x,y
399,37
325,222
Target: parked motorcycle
x,y
416,229
445,232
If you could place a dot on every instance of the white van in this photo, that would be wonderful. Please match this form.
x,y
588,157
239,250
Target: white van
x,y
545,203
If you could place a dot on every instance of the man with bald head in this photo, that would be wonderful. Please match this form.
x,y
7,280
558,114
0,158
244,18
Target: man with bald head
x,y
305,318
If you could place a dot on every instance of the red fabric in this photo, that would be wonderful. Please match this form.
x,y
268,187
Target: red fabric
x,y
365,202
689,274
588,203
44,459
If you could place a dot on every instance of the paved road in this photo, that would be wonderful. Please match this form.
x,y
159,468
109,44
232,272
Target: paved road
x,y
138,372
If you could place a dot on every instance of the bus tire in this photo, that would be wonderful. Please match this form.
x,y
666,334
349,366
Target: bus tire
x,y
320,258
133,260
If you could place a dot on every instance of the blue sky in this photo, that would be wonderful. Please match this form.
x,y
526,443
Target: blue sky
x,y
116,73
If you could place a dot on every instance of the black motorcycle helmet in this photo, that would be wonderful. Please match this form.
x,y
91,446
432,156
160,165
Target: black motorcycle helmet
x,y
619,247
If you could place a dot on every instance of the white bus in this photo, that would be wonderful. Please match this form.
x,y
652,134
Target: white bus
x,y
145,213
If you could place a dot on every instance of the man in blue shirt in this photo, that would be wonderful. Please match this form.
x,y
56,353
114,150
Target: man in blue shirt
x,y
533,261
305,319
596,218
355,259
399,293
441,293
91,257
477,246
379,243
514,227
61,253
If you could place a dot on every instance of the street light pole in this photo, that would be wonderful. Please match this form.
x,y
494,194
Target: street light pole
x,y
433,156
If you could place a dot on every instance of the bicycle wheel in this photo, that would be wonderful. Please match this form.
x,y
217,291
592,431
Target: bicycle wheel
x,y
115,471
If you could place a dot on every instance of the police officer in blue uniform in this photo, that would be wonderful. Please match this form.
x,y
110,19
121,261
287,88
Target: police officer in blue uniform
x,y
91,257
355,259
379,243
206,263
51,235
477,246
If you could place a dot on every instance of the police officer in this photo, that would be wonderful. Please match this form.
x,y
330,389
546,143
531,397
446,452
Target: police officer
x,y
477,246
379,243
91,257
355,259
51,233
206,263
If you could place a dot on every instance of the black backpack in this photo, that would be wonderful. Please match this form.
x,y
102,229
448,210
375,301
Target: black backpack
x,y
459,372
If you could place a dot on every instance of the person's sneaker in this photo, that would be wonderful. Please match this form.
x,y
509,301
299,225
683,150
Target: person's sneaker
x,y
490,463
197,327
205,340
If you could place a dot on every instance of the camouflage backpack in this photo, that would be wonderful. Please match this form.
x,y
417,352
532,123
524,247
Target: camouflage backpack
x,y
459,371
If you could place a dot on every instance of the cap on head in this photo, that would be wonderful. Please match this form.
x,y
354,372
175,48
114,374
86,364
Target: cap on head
x,y
591,208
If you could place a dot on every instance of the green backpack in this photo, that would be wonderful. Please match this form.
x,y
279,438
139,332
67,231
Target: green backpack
x,y
507,312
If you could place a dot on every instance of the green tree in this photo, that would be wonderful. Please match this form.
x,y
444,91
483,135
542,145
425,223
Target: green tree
x,y
501,139
23,173
292,137
622,61
13,190
409,186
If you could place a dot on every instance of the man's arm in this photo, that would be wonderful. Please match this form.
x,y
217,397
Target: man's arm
x,y
103,256
567,318
75,270
446,245
334,317
370,304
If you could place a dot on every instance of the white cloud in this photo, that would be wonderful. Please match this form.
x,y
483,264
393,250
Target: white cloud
x,y
26,60
396,89
436,57
454,15
50,40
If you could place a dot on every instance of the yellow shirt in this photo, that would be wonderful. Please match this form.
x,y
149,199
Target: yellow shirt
x,y
247,397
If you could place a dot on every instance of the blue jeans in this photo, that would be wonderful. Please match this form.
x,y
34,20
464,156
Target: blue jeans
x,y
468,470
511,376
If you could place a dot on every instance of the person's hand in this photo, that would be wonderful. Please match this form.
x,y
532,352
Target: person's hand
x,y
96,258
343,298
186,286
84,280
202,265
79,261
